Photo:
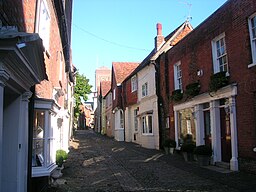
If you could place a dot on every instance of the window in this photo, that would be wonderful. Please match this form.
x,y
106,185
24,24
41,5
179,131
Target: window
x,y
144,89
147,124
219,54
121,119
134,83
135,113
252,30
43,23
167,122
42,141
177,76
114,94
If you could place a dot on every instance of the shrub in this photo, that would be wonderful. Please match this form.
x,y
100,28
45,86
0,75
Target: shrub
x,y
192,89
218,80
177,95
203,150
61,156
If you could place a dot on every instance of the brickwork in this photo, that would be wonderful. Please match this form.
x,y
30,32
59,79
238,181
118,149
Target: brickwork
x,y
195,53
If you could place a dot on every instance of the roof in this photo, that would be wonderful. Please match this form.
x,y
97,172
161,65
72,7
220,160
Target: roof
x,y
123,70
105,87
166,46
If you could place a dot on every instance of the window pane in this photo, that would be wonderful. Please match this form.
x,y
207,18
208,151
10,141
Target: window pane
x,y
38,138
150,126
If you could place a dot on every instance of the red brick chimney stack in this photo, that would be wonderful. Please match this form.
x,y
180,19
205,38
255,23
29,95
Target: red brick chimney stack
x,y
159,39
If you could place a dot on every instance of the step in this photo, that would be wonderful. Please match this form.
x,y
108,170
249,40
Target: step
x,y
223,165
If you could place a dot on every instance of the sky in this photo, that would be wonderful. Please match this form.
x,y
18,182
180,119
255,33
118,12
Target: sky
x,y
106,31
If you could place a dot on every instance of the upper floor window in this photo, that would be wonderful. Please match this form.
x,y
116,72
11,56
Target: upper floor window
x,y
114,94
219,54
147,124
252,30
43,23
144,89
134,83
177,76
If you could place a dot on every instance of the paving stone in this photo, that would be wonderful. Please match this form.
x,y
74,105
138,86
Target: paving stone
x,y
100,164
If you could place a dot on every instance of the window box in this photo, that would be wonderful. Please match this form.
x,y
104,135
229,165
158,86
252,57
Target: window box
x,y
177,95
192,89
218,80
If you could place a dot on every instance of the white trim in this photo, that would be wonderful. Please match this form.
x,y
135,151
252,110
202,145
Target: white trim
x,y
43,171
253,46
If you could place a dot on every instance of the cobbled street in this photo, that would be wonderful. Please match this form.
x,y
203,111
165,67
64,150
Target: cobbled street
x,y
99,163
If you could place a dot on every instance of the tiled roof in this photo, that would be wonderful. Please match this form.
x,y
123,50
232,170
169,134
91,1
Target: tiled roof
x,y
105,87
123,69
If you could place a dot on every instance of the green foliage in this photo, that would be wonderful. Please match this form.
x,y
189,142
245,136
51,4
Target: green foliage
x,y
217,81
82,89
203,150
193,89
61,156
177,95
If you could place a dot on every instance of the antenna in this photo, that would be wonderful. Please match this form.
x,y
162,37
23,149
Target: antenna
x,y
189,17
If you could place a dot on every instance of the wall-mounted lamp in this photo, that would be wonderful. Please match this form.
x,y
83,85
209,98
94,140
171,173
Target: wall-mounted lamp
x,y
200,72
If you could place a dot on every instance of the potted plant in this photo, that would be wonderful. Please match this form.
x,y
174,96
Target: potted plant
x,y
169,145
203,154
61,156
187,149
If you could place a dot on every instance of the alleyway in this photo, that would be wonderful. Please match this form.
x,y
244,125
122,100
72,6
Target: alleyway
x,y
98,163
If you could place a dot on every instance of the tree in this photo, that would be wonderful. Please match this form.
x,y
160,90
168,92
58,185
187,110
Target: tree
x,y
82,89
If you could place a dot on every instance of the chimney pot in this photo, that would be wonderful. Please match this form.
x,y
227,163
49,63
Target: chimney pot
x,y
159,28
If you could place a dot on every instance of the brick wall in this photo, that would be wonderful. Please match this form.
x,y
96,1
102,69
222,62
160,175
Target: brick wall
x,y
195,52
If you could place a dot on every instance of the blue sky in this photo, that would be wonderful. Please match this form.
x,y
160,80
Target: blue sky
x,y
106,31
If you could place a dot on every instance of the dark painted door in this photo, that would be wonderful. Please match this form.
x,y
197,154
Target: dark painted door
x,y
225,136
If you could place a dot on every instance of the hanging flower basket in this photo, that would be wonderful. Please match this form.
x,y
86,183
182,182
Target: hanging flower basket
x,y
193,89
218,80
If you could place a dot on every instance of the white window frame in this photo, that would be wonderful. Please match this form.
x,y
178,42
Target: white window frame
x,y
48,157
146,126
43,23
252,39
121,119
134,85
144,90
114,94
177,76
223,54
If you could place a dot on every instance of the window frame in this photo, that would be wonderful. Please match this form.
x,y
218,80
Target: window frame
x,y
43,33
134,83
177,76
135,118
144,90
216,58
252,40
145,125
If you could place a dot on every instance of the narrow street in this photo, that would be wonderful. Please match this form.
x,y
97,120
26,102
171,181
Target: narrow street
x,y
98,163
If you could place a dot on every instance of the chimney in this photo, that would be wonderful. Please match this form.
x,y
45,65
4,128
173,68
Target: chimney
x,y
159,39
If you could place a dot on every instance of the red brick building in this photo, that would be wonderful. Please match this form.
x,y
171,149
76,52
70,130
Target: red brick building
x,y
208,88
47,126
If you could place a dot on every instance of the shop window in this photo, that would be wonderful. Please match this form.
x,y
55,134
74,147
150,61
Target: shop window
x,y
186,125
147,124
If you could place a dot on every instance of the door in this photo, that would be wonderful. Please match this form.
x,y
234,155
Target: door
x,y
207,128
225,135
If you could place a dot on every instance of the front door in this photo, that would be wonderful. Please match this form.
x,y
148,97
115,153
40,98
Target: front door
x,y
225,135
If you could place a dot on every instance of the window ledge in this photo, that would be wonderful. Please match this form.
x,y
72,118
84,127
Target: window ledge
x,y
43,171
147,134
251,65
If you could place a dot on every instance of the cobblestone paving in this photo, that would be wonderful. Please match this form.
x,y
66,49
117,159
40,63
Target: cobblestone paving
x,y
98,163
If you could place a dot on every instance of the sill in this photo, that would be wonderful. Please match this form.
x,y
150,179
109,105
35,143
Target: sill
x,y
43,171
251,65
147,134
